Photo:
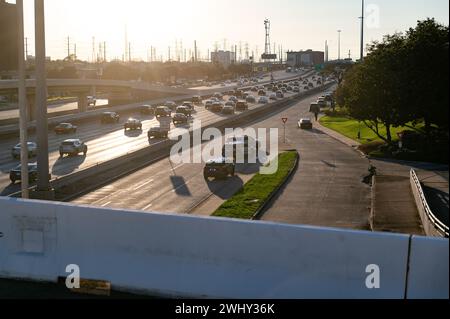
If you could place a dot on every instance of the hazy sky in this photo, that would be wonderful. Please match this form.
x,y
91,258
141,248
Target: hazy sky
x,y
296,24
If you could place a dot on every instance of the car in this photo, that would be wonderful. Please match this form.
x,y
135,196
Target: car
x,y
16,173
218,168
284,90
322,103
189,105
289,88
254,89
273,97
72,147
305,124
263,100
280,95
246,143
31,149
233,99
147,110
91,100
296,89
158,132
218,95
197,99
184,110
216,107
163,111
133,124
65,128
171,105
261,93
229,108
238,93
242,105
180,118
110,117
306,88
250,99
310,84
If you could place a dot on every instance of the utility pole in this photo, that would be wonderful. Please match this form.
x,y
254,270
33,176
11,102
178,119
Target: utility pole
x,y
195,51
22,103
93,49
362,33
339,44
75,51
129,51
43,189
104,51
68,48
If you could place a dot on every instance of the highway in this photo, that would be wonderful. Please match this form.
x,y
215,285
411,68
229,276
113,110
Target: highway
x,y
327,189
105,142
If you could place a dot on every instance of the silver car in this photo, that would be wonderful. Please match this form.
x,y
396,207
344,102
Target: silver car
x,y
72,147
31,149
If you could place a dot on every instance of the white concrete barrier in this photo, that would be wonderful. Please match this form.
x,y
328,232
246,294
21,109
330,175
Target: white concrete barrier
x,y
428,269
199,257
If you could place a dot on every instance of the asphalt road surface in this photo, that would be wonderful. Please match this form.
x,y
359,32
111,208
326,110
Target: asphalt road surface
x,y
105,142
327,189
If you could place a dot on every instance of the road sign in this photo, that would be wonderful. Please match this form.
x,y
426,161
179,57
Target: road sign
x,y
284,119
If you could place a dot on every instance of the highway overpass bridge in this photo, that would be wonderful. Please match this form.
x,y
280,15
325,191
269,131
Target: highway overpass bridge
x,y
118,91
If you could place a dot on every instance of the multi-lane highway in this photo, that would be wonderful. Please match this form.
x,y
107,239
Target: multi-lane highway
x,y
327,189
105,142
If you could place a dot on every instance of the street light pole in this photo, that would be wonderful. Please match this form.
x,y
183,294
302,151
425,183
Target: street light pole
x,y
22,97
362,33
339,45
43,190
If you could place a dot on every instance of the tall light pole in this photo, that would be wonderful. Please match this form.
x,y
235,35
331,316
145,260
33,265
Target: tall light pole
x,y
22,102
43,190
362,32
339,45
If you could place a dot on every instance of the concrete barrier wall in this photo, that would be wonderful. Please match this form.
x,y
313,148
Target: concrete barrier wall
x,y
431,224
207,257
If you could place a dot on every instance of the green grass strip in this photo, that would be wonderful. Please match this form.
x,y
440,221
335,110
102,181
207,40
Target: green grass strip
x,y
256,192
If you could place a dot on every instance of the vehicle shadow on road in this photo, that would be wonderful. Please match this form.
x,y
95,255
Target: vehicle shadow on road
x,y
67,165
179,186
134,133
225,188
10,189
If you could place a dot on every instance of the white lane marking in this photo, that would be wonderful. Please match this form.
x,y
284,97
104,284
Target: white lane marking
x,y
143,184
147,207
106,204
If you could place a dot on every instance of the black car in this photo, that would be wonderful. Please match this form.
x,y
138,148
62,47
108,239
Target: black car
x,y
180,118
163,111
16,173
158,132
242,106
262,93
218,168
65,128
110,117
147,110
238,93
216,107
133,124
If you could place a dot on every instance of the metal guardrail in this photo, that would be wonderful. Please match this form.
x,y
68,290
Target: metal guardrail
x,y
440,227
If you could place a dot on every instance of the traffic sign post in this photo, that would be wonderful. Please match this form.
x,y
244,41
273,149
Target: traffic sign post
x,y
284,119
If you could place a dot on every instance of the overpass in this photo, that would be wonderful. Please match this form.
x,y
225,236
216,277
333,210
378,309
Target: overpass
x,y
119,91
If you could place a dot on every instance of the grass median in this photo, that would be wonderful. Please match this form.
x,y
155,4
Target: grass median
x,y
257,191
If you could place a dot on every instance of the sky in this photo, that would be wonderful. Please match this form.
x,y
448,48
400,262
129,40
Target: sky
x,y
295,24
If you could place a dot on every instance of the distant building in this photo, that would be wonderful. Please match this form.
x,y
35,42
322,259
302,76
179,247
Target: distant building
x,y
8,37
297,59
225,58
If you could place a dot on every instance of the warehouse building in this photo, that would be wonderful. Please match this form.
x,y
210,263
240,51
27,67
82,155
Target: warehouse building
x,y
307,58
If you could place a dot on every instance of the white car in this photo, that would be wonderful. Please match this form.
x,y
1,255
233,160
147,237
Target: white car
x,y
263,100
305,124
31,149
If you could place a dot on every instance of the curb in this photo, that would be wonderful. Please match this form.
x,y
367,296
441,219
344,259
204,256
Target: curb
x,y
275,192
372,203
